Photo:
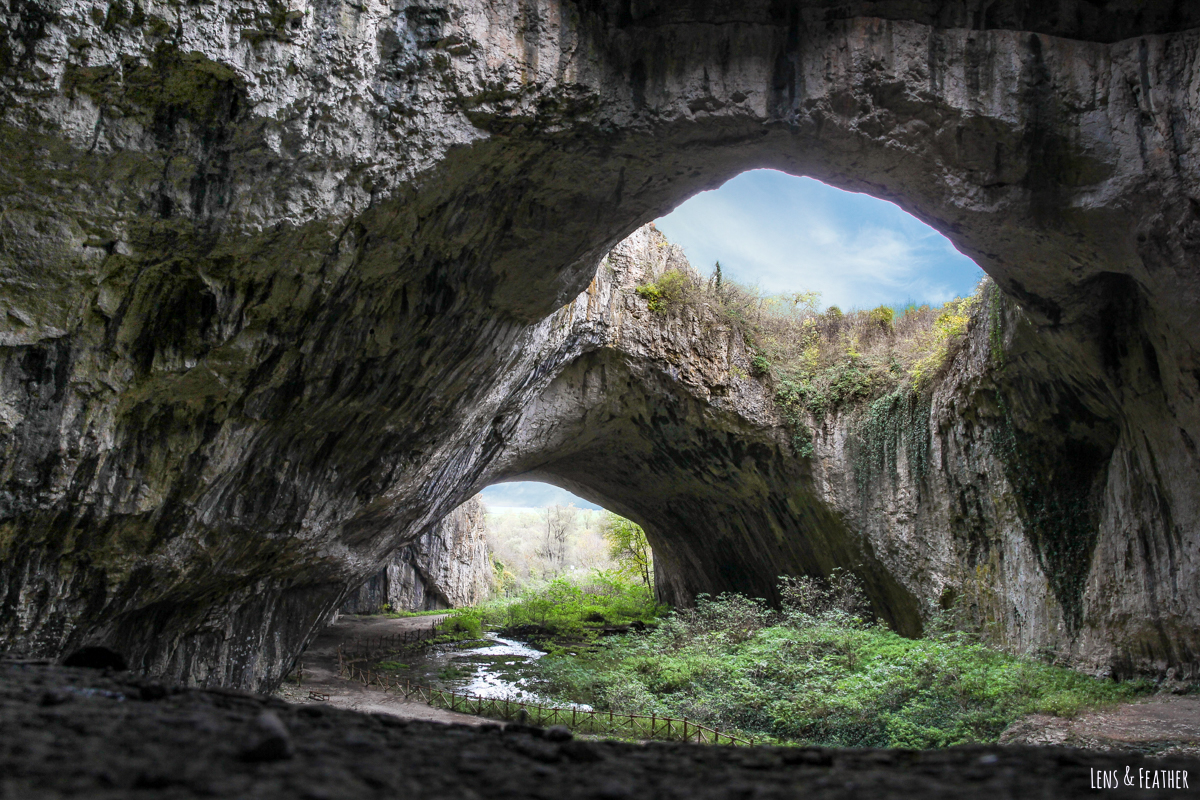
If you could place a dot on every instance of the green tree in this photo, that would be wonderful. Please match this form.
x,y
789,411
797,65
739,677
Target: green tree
x,y
627,545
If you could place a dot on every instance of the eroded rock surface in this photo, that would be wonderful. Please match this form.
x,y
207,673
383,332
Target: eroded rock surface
x,y
448,567
273,281
77,733
996,491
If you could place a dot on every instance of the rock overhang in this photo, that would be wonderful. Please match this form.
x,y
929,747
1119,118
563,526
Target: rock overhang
x,y
282,338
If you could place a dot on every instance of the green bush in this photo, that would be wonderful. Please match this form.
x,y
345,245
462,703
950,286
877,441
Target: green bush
x,y
819,673
673,289
464,623
571,608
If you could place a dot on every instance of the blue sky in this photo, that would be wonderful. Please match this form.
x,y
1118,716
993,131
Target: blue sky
x,y
787,234
529,494
784,234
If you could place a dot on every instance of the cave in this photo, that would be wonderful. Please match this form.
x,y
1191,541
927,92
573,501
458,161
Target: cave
x,y
275,304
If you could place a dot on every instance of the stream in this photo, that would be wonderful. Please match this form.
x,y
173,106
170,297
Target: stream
x,y
497,667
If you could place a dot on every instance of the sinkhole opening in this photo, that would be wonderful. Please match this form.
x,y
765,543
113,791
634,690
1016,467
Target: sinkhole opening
x,y
785,234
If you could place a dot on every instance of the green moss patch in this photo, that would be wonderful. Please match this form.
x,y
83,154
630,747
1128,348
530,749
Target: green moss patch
x,y
174,85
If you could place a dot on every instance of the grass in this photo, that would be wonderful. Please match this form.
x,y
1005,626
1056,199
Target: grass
x,y
404,614
572,609
819,674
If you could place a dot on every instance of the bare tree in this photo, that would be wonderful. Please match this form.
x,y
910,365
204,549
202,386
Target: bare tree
x,y
558,522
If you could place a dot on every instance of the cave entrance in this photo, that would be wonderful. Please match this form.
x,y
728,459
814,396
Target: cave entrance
x,y
539,532
702,423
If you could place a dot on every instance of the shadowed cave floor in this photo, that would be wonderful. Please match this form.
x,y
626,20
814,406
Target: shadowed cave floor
x,y
319,665
87,733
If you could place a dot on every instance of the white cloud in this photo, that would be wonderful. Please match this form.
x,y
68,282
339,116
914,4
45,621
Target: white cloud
x,y
788,234
530,494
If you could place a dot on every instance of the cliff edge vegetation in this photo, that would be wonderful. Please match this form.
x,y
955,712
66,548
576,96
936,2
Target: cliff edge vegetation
x,y
821,361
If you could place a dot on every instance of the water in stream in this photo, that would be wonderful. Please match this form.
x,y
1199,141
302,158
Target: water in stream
x,y
497,667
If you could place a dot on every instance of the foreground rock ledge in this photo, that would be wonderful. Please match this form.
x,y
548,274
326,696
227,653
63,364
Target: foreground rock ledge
x,y
84,733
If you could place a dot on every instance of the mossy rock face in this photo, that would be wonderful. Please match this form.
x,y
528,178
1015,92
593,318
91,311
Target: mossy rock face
x,y
1059,482
174,86
278,292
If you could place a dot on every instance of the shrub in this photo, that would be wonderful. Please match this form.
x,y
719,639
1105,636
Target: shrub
x,y
465,623
806,597
569,608
672,290
882,317
834,680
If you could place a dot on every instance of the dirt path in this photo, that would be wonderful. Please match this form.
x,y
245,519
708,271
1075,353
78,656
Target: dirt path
x,y
320,672
1161,725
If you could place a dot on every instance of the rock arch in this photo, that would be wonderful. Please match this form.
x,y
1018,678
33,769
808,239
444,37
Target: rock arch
x,y
286,318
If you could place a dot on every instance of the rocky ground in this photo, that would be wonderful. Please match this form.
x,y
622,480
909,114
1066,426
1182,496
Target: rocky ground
x,y
1165,724
73,732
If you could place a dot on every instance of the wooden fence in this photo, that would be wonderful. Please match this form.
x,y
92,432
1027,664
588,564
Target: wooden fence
x,y
371,648
608,723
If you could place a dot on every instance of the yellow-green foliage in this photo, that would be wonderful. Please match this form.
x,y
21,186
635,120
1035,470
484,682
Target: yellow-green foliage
x,y
883,316
948,328
672,289
843,355
628,546
822,361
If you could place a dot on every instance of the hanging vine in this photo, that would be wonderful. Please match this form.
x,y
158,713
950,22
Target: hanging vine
x,y
894,422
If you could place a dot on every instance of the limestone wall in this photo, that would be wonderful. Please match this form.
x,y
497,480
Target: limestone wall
x,y
448,567
279,282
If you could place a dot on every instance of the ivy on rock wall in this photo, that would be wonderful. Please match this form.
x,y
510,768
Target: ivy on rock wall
x,y
892,423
